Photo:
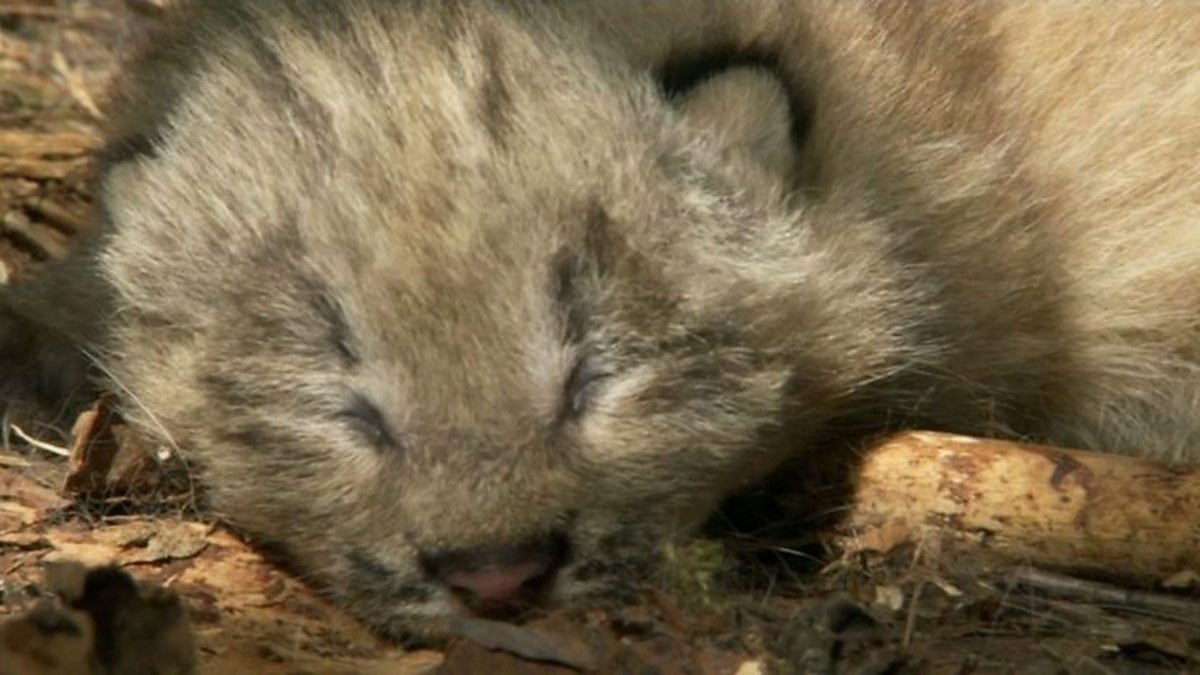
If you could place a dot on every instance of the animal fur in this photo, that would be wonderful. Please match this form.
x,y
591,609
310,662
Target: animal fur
x,y
404,277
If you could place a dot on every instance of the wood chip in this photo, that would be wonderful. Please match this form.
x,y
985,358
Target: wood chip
x,y
59,144
66,220
48,242
24,502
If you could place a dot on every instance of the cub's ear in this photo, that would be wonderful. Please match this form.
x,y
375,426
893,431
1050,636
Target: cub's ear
x,y
747,107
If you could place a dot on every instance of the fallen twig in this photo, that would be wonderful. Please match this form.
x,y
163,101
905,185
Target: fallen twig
x,y
1085,590
35,443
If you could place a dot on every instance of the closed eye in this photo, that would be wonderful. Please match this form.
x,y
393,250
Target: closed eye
x,y
580,388
366,420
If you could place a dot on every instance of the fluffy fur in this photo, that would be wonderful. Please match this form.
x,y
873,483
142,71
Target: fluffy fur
x,y
404,277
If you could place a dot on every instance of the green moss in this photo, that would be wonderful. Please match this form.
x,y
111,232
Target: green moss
x,y
694,571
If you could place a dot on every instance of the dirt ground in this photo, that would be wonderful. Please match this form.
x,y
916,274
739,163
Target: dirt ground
x,y
781,601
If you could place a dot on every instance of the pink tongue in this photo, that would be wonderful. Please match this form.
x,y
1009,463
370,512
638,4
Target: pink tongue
x,y
499,583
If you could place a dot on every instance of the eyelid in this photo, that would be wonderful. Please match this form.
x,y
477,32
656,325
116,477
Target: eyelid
x,y
579,385
369,421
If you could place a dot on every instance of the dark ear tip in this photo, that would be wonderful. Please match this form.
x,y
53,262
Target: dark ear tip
x,y
109,579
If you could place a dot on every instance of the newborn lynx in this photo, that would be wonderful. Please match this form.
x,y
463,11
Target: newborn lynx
x,y
470,306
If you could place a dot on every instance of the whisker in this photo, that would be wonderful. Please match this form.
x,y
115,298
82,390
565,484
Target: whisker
x,y
129,395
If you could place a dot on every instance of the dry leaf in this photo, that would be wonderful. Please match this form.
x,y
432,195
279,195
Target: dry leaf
x,y
172,541
1182,580
528,643
891,597
93,449
883,538
106,458
23,541
24,502
7,460
947,587
751,668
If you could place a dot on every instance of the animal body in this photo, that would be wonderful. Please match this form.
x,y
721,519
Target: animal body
x,y
467,305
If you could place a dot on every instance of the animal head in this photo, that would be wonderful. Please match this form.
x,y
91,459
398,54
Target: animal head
x,y
459,314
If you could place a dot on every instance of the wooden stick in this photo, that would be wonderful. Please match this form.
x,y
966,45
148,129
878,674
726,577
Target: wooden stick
x,y
1084,590
1116,516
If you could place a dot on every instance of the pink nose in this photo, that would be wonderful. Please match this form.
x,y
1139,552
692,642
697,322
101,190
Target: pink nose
x,y
500,578
498,583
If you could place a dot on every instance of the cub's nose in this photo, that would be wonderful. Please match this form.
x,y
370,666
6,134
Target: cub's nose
x,y
499,579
